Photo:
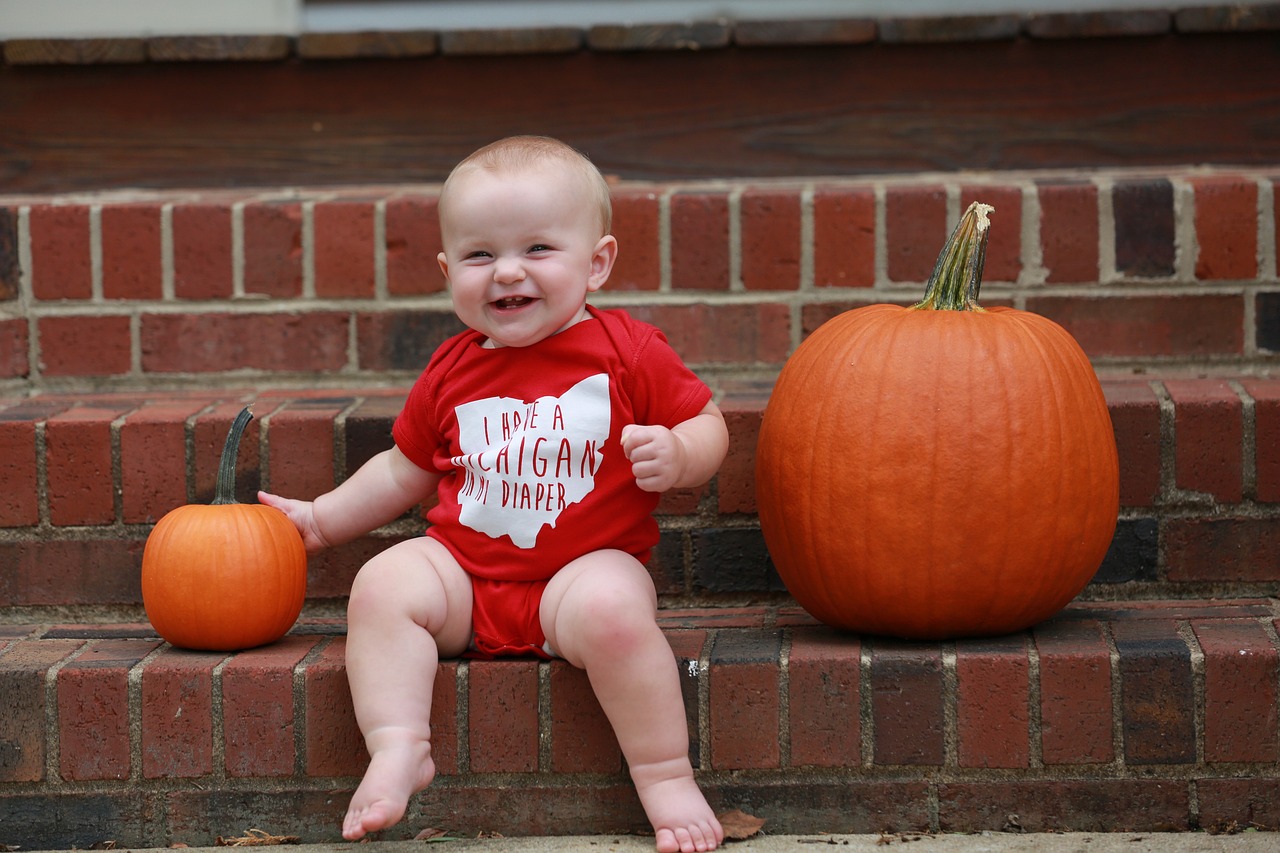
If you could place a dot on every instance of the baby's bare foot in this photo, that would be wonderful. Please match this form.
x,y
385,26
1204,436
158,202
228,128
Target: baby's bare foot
x,y
682,820
400,767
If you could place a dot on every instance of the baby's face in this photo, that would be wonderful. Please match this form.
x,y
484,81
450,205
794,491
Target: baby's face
x,y
521,252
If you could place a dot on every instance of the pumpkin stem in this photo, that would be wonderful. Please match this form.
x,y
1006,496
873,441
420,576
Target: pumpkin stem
x,y
225,493
957,276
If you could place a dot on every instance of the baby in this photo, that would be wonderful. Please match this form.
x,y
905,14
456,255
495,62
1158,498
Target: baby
x,y
547,431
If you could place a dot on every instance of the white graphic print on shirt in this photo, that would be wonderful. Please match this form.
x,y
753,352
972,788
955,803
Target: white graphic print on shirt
x,y
525,462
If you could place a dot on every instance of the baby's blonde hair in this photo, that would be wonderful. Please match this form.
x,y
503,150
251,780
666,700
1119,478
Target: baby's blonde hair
x,y
516,153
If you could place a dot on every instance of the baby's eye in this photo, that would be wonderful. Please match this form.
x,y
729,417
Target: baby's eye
x,y
479,254
539,247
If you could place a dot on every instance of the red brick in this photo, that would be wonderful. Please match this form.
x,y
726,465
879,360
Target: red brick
x,y
635,225
131,251
23,668
412,243
300,440
582,741
1094,805
1240,669
1145,227
736,480
992,703
63,572
744,704
334,746
503,716
1135,419
907,704
1222,550
700,240
1226,227
18,475
14,348
687,646
84,346
344,264
1239,804
61,264
723,334
1075,693
1266,429
209,438
844,237
272,248
1146,326
153,460
177,715
1069,232
78,466
824,699
1209,437
915,230
218,342
444,719
1004,245
257,709
93,710
770,225
202,251
1157,694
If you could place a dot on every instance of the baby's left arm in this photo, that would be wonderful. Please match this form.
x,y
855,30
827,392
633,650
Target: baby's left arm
x,y
687,455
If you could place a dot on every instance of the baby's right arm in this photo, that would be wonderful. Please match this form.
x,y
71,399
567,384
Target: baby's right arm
x,y
381,491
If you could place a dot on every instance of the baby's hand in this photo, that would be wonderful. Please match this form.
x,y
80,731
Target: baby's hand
x,y
302,514
656,454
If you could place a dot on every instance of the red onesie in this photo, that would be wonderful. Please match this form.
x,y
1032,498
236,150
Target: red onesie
x,y
527,442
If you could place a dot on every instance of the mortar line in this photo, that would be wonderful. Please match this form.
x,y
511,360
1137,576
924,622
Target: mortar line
x,y
167,272
1107,274
52,739
1035,720
237,250
784,700
1188,636
1117,698
950,707
95,253
299,695
544,716
866,707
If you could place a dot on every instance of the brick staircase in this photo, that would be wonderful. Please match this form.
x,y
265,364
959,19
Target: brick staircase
x,y
133,325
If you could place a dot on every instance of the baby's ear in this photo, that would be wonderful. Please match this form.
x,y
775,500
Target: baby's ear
x,y
602,259
444,265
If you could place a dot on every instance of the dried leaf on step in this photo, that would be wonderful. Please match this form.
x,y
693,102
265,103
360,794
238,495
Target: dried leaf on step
x,y
257,838
738,825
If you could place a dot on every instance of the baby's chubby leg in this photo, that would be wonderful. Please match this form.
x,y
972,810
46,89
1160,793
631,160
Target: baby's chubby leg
x,y
599,613
408,606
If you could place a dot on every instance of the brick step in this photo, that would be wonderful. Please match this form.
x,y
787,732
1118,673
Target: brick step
x,y
1160,715
85,476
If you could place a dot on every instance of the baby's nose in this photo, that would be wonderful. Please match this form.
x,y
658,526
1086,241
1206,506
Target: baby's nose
x,y
508,270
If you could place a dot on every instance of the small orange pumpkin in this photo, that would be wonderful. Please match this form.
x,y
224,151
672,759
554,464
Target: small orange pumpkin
x,y
941,470
225,576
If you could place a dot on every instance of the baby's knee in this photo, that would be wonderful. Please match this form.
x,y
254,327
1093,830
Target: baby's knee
x,y
617,619
376,587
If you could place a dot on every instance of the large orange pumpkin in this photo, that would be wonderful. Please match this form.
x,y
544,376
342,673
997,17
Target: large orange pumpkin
x,y
225,576
940,470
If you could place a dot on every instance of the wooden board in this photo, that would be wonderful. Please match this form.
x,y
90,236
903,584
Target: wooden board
x,y
841,110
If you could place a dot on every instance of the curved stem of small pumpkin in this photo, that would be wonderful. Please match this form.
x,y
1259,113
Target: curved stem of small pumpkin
x,y
225,493
957,276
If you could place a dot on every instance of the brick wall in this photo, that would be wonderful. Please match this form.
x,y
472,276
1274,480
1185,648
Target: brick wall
x,y
85,476
144,290
1140,717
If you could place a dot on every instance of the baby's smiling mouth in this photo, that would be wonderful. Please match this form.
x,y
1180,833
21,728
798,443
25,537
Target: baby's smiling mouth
x,y
508,302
